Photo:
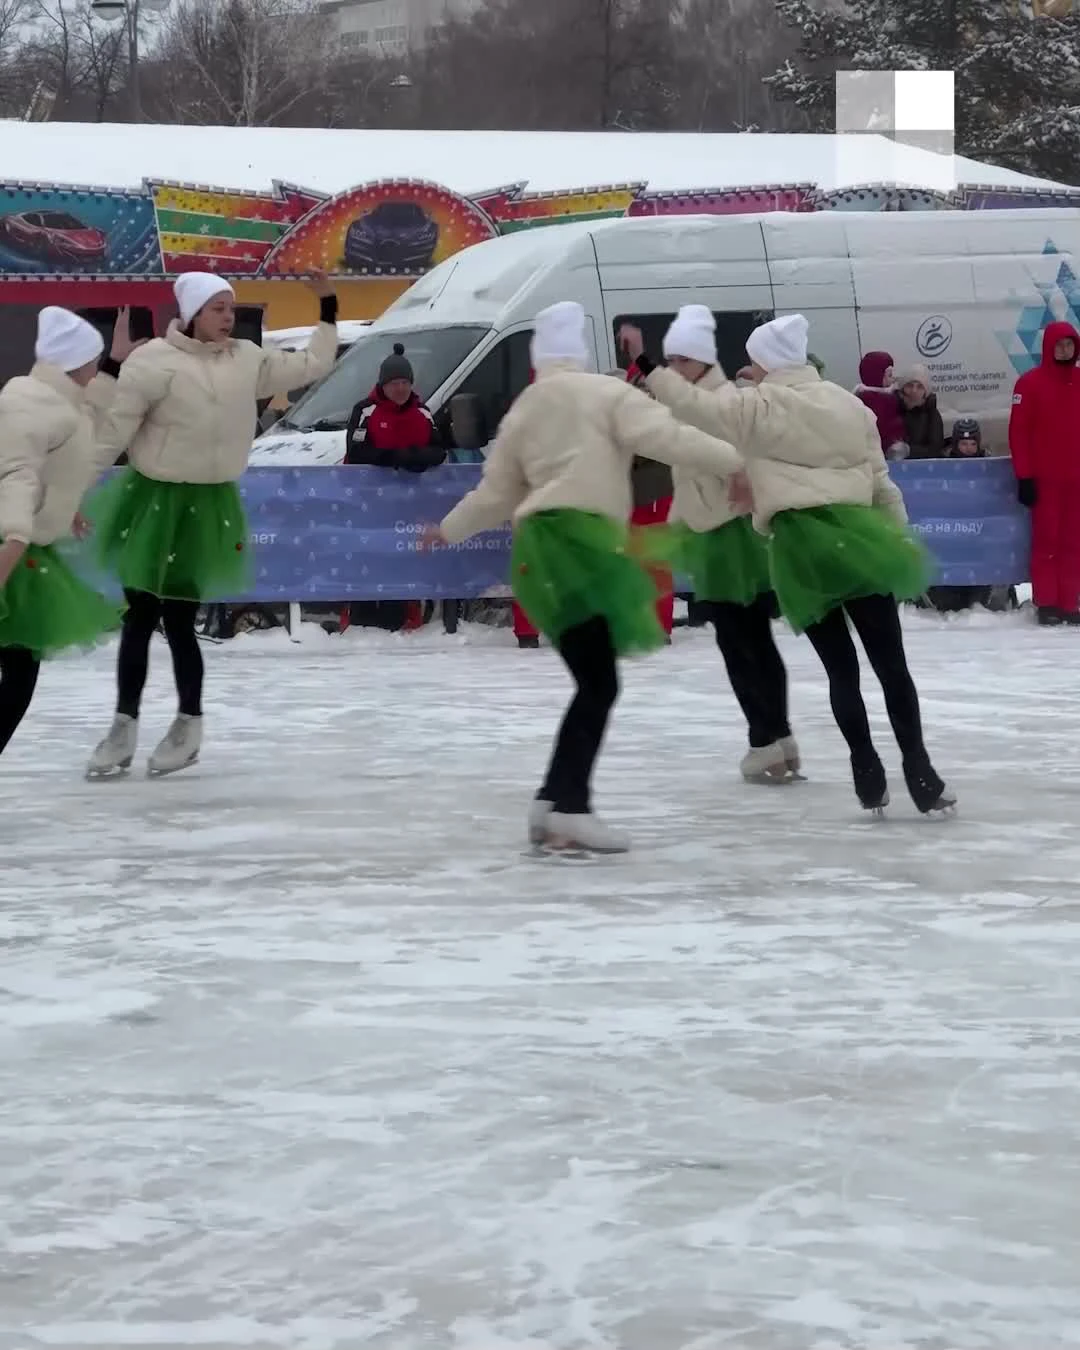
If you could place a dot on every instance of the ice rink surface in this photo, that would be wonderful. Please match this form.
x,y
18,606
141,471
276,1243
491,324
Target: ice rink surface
x,y
296,1049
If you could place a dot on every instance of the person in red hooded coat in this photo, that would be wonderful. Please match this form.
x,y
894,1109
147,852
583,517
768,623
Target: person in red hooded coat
x,y
1044,440
878,391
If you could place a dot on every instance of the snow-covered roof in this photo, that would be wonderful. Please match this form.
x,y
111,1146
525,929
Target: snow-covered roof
x,y
470,162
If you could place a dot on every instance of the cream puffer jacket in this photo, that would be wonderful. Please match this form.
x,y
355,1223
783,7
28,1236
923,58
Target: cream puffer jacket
x,y
185,410
701,501
568,442
806,441
49,452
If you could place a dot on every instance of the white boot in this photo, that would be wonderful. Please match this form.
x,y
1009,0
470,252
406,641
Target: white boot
x,y
114,754
583,832
539,814
179,749
790,747
765,764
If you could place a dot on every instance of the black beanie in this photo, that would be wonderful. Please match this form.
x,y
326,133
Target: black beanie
x,y
396,367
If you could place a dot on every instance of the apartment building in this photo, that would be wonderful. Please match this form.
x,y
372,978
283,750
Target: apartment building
x,y
390,27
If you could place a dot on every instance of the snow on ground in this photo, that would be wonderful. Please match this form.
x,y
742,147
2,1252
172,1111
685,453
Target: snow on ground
x,y
298,1051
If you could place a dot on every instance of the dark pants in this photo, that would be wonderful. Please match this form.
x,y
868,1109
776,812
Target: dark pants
x,y
757,673
590,657
876,620
143,615
18,680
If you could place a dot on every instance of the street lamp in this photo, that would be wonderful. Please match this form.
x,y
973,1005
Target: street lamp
x,y
129,11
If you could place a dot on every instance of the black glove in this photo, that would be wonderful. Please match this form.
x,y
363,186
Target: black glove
x,y
1025,492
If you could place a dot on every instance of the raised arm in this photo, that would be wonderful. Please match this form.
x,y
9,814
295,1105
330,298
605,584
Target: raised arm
x,y
1020,433
282,371
500,491
141,384
727,413
645,427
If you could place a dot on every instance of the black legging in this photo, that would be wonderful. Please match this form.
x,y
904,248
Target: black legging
x,y
754,666
144,612
876,619
590,657
18,679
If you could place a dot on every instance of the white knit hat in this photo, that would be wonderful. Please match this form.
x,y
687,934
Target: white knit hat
x,y
195,289
65,340
559,335
779,344
692,334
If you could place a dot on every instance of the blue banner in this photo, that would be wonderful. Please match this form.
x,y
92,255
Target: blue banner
x,y
326,535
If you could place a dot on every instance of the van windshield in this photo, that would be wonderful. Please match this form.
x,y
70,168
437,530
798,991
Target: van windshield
x,y
434,354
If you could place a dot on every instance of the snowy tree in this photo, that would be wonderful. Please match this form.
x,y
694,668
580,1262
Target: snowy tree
x,y
241,62
1017,77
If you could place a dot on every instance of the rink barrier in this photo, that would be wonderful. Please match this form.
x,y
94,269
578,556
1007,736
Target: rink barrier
x,y
323,535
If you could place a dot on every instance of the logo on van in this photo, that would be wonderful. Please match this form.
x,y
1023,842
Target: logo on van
x,y
934,336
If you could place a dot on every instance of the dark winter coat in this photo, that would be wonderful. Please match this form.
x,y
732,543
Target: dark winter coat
x,y
924,429
393,436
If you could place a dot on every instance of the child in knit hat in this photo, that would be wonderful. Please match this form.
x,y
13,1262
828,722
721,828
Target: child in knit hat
x,y
839,544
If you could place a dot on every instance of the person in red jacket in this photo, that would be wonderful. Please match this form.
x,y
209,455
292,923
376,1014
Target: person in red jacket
x,y
1044,441
392,429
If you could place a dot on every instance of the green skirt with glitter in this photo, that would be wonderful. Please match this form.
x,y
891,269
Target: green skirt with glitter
x,y
179,541
46,608
570,566
822,557
729,564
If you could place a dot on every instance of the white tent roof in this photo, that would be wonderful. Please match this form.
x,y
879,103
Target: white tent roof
x,y
471,162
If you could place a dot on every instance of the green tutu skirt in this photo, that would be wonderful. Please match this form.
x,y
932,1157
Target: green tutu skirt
x,y
179,541
728,564
46,608
570,566
821,558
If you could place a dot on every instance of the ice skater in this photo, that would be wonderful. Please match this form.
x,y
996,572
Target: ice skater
x,y
559,469
49,457
728,562
839,544
172,526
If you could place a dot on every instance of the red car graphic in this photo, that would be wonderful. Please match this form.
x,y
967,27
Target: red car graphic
x,y
54,235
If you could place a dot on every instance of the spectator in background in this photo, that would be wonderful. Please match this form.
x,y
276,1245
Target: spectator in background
x,y
1044,440
877,390
392,429
923,427
964,443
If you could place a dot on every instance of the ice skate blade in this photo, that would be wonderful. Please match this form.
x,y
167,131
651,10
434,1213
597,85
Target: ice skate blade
x,y
103,775
774,779
151,772
542,853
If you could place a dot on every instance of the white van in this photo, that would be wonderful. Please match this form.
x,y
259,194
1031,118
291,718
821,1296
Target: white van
x,y
965,293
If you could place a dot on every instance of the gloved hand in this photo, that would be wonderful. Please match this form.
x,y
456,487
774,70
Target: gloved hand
x,y
1026,493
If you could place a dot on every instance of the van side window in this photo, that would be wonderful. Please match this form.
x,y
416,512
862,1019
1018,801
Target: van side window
x,y
733,327
496,381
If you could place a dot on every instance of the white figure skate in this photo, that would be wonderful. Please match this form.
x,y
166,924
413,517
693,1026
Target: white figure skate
x,y
112,757
180,748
